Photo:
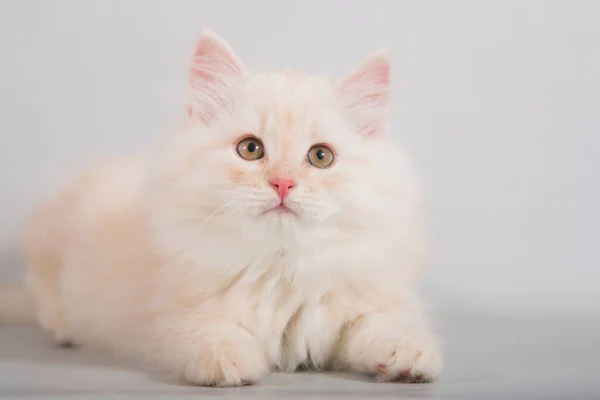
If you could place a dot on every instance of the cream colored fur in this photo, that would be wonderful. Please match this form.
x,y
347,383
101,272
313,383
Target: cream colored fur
x,y
173,258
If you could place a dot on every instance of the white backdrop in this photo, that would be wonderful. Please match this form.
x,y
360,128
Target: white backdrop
x,y
498,102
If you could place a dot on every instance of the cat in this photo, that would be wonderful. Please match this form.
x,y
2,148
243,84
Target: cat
x,y
276,228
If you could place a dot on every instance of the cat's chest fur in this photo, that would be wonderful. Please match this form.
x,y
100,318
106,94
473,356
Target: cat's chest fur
x,y
294,309
294,296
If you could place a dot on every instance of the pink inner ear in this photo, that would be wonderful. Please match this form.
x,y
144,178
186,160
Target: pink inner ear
x,y
214,75
374,78
366,92
214,57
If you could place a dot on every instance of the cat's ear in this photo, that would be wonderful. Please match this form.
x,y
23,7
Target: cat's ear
x,y
215,77
364,93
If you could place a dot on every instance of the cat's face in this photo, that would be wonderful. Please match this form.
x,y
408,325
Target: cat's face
x,y
281,149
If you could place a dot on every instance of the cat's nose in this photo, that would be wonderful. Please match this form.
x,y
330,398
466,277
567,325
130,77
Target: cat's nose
x,y
282,186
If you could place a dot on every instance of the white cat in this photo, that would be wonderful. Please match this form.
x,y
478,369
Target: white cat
x,y
277,227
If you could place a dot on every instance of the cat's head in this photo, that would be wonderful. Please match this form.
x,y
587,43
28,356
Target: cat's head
x,y
282,150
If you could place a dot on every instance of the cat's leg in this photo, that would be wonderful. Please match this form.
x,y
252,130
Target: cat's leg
x,y
43,284
391,346
210,353
41,249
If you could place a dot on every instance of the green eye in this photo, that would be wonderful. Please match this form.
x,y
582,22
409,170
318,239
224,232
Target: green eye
x,y
250,149
320,156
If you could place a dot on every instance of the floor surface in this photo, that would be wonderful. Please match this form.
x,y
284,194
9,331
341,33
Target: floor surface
x,y
486,358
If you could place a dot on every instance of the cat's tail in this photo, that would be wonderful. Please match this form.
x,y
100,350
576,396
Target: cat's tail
x,y
15,305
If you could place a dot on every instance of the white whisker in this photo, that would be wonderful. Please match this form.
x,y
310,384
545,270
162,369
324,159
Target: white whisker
x,y
235,210
215,212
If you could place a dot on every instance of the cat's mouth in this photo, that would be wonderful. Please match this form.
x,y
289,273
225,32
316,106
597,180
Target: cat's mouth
x,y
280,210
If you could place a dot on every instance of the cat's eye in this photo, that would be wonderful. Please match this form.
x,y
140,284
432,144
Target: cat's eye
x,y
320,156
250,149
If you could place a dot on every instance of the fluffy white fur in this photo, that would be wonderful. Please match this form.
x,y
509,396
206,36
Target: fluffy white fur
x,y
175,259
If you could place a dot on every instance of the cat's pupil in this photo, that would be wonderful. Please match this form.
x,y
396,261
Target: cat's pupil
x,y
320,154
252,147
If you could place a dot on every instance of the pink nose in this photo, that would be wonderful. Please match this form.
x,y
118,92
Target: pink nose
x,y
282,187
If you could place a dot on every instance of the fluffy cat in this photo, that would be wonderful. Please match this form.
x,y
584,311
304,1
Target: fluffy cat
x,y
276,228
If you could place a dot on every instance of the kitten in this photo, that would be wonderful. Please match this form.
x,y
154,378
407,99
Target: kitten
x,y
276,228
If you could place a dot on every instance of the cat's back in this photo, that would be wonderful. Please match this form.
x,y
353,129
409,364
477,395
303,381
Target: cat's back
x,y
87,210
106,190
106,187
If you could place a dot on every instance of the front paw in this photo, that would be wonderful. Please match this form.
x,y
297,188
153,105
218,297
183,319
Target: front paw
x,y
391,352
414,359
226,356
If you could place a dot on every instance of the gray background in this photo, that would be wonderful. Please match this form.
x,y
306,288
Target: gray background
x,y
498,102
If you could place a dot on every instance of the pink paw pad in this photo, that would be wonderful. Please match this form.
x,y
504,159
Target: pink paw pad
x,y
382,375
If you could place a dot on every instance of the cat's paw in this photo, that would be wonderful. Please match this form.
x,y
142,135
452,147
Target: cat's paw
x,y
415,359
226,356
391,352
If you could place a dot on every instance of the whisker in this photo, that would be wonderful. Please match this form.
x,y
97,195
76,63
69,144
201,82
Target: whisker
x,y
215,212
232,213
